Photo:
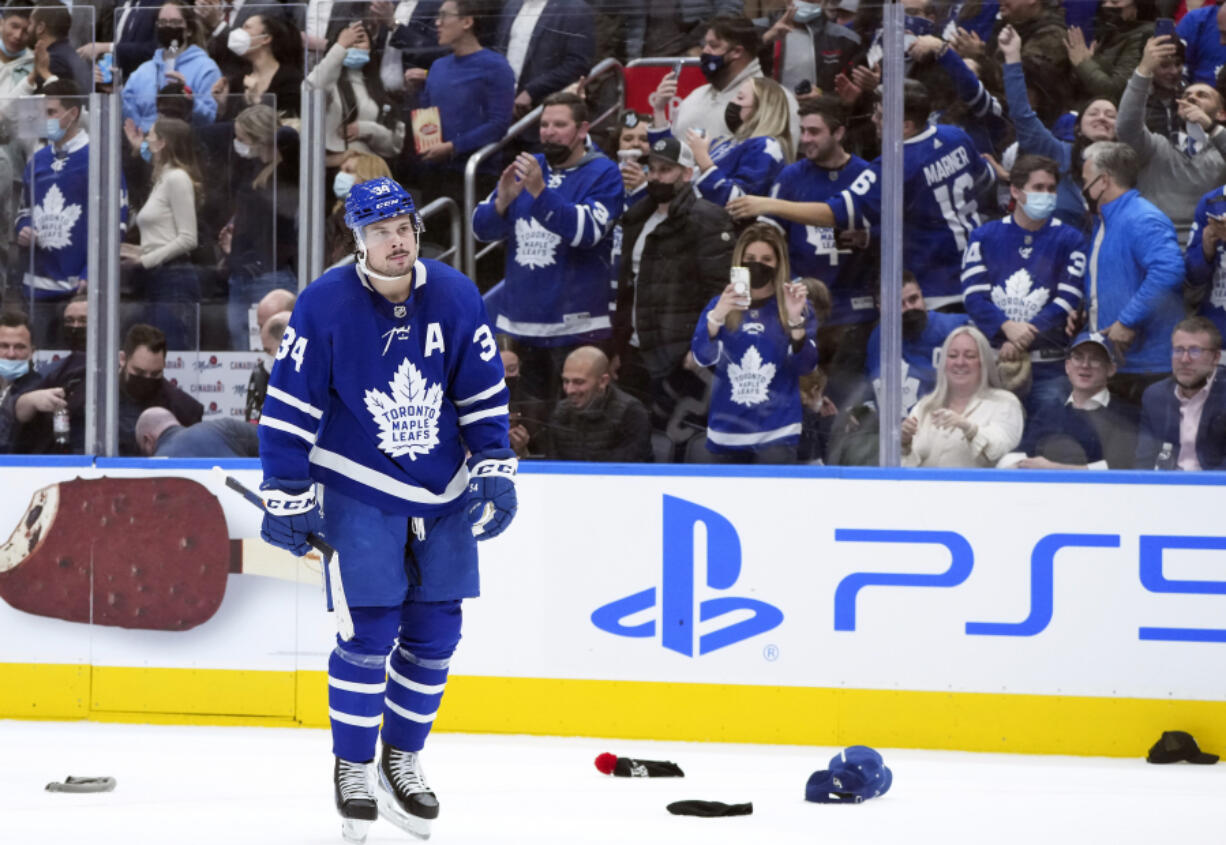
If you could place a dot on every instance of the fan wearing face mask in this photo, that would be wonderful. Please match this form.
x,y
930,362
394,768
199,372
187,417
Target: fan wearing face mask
x,y
355,169
1103,65
758,344
556,210
264,239
729,58
358,114
271,51
179,57
747,157
1023,275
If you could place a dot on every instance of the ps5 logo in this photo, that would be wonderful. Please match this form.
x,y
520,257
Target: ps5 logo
x,y
677,601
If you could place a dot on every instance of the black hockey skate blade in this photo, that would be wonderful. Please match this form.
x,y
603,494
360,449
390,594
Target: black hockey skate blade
x,y
391,810
82,784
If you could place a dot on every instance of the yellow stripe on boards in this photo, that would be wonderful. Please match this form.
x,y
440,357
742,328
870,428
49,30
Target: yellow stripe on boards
x,y
1026,724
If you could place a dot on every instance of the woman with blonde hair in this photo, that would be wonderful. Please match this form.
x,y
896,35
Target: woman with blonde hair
x,y
356,168
758,146
162,272
758,344
263,231
968,420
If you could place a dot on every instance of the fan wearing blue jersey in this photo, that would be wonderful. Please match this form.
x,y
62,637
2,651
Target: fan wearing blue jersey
x,y
1205,258
757,146
1201,30
943,178
556,211
1023,276
838,258
387,379
759,345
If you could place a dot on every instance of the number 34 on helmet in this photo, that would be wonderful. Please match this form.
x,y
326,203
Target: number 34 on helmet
x,y
376,200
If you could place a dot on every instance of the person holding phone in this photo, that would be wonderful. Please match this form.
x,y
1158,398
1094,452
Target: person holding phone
x,y
759,336
757,144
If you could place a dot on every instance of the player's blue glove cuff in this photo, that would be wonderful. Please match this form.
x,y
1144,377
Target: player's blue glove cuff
x,y
290,514
491,492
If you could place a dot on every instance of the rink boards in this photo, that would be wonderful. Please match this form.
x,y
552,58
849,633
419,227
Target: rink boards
x,y
1055,613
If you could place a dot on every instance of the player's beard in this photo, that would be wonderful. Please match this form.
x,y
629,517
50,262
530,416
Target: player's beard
x,y
393,268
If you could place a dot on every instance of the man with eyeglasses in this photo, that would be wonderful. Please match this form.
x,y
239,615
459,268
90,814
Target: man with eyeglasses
x,y
1086,429
1183,418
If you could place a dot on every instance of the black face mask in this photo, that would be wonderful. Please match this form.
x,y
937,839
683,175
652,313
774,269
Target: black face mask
x,y
75,336
169,34
1091,203
512,387
760,275
555,154
141,388
661,193
732,117
913,323
711,64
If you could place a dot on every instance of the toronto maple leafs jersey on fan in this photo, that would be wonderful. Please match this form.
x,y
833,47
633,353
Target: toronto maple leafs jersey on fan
x,y
755,398
379,400
55,203
1010,273
1210,274
812,250
559,248
919,373
943,176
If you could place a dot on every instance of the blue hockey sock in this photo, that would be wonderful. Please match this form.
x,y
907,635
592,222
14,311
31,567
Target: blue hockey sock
x,y
357,683
417,673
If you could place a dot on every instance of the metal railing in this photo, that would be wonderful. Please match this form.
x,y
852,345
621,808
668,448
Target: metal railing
x,y
452,209
526,122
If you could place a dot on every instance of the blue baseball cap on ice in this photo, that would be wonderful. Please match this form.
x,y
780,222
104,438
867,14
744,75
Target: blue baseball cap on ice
x,y
856,774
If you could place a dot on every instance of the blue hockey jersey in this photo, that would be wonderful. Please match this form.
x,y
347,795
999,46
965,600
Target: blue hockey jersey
x,y
1203,274
55,202
1204,52
943,177
812,250
379,400
559,248
919,374
1009,273
755,398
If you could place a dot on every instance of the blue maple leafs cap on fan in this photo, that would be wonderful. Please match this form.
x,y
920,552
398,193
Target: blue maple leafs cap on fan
x,y
856,774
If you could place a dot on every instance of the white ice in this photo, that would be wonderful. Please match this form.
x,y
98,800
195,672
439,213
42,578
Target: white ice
x,y
229,786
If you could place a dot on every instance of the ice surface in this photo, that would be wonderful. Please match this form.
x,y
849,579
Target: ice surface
x,y
228,786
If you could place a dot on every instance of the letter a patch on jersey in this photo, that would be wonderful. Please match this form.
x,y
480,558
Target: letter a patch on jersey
x,y
408,419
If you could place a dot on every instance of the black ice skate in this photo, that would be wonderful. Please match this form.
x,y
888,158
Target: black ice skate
x,y
354,800
404,798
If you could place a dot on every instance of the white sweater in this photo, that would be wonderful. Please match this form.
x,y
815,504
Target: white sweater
x,y
1000,419
373,137
167,220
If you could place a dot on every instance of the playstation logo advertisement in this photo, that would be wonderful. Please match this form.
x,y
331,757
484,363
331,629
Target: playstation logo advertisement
x,y
685,622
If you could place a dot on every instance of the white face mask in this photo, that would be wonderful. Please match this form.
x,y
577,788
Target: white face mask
x,y
239,41
242,149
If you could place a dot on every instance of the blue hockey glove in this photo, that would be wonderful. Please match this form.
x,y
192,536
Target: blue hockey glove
x,y
491,492
290,514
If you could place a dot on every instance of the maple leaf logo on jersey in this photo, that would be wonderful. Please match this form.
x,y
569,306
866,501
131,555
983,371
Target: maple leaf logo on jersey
x,y
773,149
1018,299
751,379
535,246
408,419
53,221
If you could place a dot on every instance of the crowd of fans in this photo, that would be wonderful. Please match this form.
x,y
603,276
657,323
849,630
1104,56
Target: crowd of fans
x,y
694,282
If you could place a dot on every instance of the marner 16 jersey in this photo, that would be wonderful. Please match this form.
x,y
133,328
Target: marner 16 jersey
x,y
379,400
943,176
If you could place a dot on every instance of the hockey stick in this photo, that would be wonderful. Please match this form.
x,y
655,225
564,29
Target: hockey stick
x,y
336,590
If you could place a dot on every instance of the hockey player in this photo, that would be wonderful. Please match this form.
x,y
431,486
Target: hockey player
x,y
943,177
387,373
